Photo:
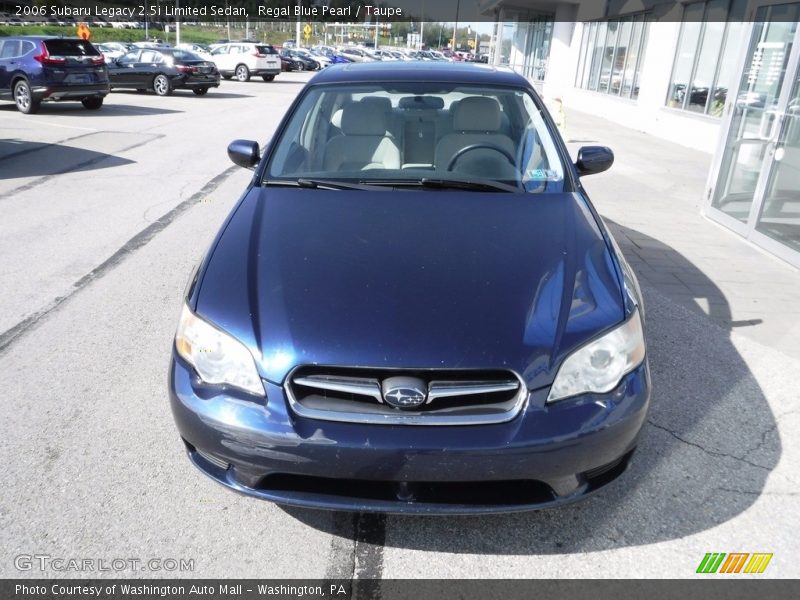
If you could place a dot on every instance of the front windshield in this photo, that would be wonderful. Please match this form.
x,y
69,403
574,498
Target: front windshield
x,y
408,131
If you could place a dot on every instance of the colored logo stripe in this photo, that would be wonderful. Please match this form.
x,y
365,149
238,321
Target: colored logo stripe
x,y
758,563
713,562
734,562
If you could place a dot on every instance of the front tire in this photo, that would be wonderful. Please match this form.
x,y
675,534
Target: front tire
x,y
23,98
162,85
242,73
92,103
200,91
268,77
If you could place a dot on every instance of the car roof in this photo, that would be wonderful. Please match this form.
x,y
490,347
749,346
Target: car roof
x,y
422,71
42,38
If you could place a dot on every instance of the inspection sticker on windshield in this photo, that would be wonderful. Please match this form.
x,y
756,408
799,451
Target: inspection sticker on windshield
x,y
543,175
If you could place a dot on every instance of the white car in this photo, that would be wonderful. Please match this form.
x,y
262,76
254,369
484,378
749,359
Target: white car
x,y
111,50
202,51
323,60
246,59
356,54
384,55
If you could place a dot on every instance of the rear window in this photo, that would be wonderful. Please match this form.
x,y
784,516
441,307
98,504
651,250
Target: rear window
x,y
266,50
185,55
70,48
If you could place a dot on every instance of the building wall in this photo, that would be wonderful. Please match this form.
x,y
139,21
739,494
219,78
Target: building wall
x,y
649,112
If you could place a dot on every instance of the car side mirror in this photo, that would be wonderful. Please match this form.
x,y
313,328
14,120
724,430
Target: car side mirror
x,y
594,159
244,153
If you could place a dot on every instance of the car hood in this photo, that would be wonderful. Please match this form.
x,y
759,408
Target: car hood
x,y
410,279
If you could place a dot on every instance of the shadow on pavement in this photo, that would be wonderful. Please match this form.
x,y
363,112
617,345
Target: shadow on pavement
x,y
704,456
19,159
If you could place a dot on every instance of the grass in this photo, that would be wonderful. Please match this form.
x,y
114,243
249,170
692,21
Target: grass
x,y
263,32
189,33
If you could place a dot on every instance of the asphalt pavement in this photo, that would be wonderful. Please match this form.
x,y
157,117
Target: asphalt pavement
x,y
104,216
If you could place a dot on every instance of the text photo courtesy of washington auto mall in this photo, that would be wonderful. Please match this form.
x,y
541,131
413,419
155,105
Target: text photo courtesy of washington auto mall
x,y
399,299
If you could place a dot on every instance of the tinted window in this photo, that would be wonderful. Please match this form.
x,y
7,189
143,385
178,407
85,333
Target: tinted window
x,y
10,49
266,49
70,48
185,55
152,56
130,57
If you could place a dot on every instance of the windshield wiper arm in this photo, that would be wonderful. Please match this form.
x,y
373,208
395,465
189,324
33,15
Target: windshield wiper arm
x,y
321,184
477,185
474,184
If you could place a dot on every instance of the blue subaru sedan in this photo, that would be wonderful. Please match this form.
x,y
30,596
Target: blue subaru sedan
x,y
414,307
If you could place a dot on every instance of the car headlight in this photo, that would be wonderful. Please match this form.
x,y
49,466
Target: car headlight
x,y
217,357
599,366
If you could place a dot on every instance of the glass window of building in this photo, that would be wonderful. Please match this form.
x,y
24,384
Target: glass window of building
x,y
611,56
704,57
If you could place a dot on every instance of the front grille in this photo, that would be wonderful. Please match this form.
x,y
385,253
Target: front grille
x,y
448,396
471,493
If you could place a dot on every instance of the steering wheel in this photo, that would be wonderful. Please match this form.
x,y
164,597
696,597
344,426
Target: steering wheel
x,y
472,147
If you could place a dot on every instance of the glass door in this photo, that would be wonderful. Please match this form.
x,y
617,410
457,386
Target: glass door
x,y
778,218
760,155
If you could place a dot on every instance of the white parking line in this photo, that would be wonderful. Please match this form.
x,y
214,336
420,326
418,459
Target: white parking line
x,y
56,124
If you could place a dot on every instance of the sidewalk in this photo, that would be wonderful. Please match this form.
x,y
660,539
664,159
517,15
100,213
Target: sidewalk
x,y
651,199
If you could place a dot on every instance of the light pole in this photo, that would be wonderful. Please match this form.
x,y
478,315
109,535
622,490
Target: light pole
x,y
422,27
455,27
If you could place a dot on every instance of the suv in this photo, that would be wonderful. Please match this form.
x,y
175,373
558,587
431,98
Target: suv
x,y
35,69
245,59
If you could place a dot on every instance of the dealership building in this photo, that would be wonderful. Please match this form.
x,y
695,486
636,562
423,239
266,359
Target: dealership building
x,y
722,76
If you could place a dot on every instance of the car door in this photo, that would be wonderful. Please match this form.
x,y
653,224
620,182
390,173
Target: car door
x,y
222,58
9,62
147,67
121,71
5,77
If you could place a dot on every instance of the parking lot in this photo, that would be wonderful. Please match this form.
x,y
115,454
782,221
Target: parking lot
x,y
104,214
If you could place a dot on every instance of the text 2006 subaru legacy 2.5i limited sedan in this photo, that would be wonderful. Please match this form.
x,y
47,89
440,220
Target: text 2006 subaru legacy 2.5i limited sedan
x,y
413,307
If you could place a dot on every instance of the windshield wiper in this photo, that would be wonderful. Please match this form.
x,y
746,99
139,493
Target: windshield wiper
x,y
477,185
321,184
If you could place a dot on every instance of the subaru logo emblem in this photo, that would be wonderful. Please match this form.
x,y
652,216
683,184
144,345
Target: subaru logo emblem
x,y
404,392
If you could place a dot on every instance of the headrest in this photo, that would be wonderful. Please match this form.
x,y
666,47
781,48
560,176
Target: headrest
x,y
377,102
361,119
477,113
421,103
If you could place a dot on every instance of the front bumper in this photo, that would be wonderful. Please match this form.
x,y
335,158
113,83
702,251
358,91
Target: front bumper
x,y
545,457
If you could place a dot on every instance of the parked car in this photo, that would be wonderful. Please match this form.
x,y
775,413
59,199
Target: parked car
x,y
112,50
384,55
313,62
356,54
323,59
243,60
302,62
288,63
35,69
439,327
163,70
201,50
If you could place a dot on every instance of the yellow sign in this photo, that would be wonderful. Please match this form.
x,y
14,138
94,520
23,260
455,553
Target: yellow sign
x,y
307,31
83,31
471,43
